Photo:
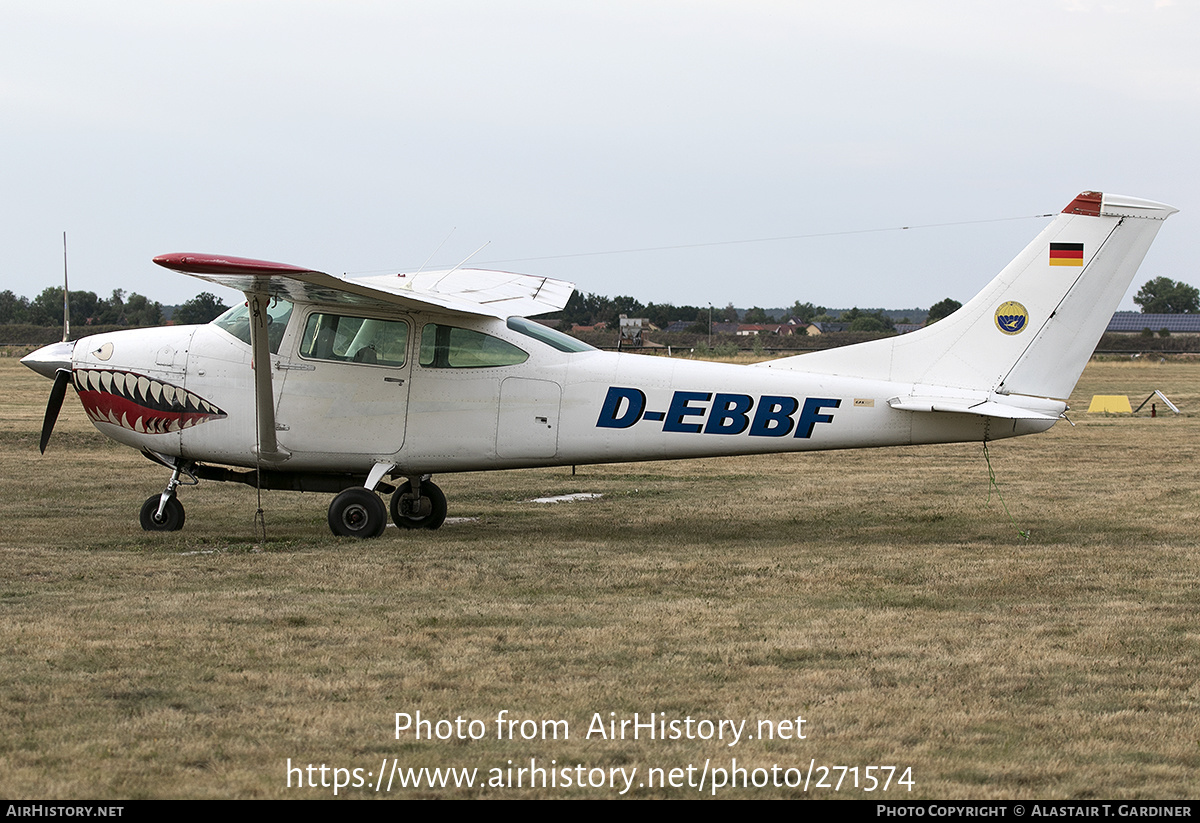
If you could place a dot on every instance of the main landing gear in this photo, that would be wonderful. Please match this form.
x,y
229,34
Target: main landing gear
x,y
357,512
417,504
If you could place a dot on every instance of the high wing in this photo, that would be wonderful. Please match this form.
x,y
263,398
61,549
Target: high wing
x,y
471,291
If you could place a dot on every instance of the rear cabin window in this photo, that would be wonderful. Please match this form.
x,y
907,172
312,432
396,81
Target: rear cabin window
x,y
449,347
355,339
551,337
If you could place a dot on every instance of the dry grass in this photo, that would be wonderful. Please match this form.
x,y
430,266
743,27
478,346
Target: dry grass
x,y
878,593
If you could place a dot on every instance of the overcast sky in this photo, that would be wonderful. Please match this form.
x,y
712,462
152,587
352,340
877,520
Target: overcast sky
x,y
356,136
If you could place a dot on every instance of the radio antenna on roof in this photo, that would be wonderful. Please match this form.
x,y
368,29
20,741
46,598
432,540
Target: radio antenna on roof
x,y
66,295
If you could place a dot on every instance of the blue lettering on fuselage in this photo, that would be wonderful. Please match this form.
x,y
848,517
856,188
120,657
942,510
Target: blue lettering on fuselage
x,y
691,412
729,414
622,408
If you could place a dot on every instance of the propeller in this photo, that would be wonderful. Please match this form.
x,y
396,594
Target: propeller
x,y
57,356
61,378
53,361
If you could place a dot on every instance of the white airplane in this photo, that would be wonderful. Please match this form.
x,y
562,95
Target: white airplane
x,y
372,385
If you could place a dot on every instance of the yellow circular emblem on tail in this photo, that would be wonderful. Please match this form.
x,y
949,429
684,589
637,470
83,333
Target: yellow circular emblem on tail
x,y
1012,317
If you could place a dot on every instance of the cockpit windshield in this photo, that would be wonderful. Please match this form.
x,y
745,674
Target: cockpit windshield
x,y
236,321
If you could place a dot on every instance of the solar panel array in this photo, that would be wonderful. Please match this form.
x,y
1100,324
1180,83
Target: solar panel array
x,y
1132,321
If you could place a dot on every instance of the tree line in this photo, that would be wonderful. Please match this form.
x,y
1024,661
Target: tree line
x,y
585,309
119,309
1158,296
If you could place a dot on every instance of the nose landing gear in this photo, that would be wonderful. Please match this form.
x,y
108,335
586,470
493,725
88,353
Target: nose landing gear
x,y
163,512
159,517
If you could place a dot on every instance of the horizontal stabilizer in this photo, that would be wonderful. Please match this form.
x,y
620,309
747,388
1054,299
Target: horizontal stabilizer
x,y
470,291
985,408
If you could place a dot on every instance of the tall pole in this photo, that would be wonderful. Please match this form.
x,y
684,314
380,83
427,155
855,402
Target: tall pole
x,y
66,295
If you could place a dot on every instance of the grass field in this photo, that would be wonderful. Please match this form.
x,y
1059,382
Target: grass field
x,y
882,595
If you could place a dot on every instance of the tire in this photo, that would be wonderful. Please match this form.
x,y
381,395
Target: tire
x,y
432,519
357,512
172,519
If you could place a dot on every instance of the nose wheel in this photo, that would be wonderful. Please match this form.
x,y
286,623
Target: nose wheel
x,y
169,519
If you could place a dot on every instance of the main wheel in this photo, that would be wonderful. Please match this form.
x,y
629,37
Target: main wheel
x,y
172,516
357,512
427,513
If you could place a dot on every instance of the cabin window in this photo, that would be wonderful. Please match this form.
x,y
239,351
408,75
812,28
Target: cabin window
x,y
355,339
449,347
549,336
236,321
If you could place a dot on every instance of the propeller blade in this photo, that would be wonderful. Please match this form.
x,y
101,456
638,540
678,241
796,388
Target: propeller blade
x,y
61,378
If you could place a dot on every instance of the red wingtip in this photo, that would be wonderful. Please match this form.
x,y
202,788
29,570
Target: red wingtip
x,y
1087,202
222,264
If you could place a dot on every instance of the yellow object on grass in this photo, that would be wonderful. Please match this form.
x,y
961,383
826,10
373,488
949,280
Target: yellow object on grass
x,y
1111,403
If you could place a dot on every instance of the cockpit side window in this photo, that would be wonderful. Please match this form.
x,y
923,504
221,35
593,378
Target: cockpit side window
x,y
450,347
236,321
355,339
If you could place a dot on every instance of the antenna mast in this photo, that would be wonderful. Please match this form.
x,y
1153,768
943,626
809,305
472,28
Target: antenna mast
x,y
66,295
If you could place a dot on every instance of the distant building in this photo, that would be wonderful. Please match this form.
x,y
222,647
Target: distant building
x,y
680,326
825,328
1134,322
631,330
693,325
755,329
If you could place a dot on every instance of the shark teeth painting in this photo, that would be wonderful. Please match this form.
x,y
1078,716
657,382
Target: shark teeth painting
x,y
140,403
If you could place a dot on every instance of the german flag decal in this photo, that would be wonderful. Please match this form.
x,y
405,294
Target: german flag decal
x,y
1066,254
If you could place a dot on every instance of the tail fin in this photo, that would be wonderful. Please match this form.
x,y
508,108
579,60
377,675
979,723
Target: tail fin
x,y
1033,328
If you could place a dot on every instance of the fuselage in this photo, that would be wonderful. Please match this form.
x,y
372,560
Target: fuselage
x,y
435,393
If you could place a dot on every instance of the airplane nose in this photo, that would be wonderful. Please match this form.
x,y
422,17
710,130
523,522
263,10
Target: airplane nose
x,y
49,359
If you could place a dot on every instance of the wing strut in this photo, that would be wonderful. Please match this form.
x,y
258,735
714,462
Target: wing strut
x,y
264,396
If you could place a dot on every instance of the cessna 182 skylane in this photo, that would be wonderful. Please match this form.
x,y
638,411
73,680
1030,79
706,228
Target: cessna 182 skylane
x,y
342,385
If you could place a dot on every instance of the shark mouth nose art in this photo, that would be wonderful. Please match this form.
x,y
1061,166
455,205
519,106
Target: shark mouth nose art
x,y
139,403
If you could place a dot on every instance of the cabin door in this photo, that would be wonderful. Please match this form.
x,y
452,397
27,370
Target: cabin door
x,y
345,386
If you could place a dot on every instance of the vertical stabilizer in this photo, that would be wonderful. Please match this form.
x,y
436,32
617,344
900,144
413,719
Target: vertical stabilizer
x,y
1032,329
